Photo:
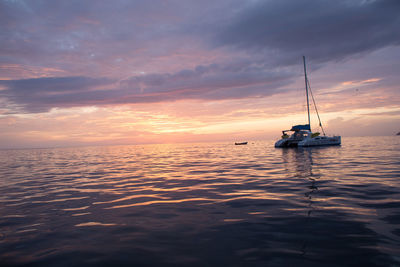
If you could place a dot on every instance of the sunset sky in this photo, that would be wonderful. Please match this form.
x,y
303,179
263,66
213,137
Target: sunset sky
x,y
133,72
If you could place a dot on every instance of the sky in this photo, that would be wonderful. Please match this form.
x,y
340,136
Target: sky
x,y
135,72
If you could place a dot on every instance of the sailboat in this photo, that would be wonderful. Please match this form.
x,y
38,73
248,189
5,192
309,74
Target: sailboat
x,y
301,135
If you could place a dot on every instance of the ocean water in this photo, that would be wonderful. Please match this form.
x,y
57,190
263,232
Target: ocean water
x,y
213,204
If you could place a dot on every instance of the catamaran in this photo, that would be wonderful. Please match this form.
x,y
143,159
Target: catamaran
x,y
301,135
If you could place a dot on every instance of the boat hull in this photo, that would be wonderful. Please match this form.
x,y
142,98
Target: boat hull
x,y
308,142
240,143
287,143
321,141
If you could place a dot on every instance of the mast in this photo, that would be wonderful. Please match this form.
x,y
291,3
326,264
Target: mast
x,y
306,82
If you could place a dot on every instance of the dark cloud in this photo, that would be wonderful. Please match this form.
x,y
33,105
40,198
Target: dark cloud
x,y
42,94
282,31
324,30
204,82
204,78
50,31
240,48
66,34
52,85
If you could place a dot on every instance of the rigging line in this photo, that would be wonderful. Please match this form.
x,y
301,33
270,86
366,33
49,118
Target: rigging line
x,y
315,106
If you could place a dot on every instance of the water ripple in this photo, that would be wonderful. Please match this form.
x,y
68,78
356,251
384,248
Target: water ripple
x,y
205,204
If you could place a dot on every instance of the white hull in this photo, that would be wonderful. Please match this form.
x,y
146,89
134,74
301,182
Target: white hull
x,y
306,140
321,141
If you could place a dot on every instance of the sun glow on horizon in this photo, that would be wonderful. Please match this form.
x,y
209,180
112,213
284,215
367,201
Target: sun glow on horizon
x,y
101,125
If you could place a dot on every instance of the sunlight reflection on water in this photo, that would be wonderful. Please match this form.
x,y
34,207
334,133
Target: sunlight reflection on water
x,y
202,204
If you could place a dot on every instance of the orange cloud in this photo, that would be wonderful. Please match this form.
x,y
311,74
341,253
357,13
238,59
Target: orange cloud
x,y
367,81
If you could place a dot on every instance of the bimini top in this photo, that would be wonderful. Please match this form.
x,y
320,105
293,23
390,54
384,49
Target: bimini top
x,y
301,127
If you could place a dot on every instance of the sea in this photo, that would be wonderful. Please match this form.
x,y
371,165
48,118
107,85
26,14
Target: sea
x,y
203,204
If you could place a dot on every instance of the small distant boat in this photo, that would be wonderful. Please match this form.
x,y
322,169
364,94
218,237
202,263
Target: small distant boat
x,y
240,143
302,135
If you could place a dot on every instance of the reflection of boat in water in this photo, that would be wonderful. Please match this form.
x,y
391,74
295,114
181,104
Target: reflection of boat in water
x,y
299,163
240,143
302,135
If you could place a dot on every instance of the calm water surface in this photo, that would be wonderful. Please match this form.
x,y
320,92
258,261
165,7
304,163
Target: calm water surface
x,y
202,205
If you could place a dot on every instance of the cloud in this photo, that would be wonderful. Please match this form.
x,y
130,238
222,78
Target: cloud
x,y
206,50
361,126
206,78
211,82
70,35
42,94
88,37
324,30
384,113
